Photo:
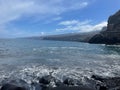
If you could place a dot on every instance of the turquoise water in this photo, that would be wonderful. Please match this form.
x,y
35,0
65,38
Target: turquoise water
x,y
29,58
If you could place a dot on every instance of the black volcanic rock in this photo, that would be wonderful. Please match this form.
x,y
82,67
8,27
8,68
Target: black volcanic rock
x,y
114,19
12,87
98,38
101,39
46,79
107,83
49,81
69,81
112,34
103,88
96,77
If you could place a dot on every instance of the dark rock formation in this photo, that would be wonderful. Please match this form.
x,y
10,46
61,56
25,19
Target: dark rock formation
x,y
36,86
108,83
71,88
46,79
67,84
98,38
50,81
69,81
103,88
112,34
12,87
96,77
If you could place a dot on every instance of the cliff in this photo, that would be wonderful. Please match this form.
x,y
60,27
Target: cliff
x,y
112,34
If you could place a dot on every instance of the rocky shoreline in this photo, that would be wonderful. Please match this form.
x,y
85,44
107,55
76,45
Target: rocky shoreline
x,y
49,82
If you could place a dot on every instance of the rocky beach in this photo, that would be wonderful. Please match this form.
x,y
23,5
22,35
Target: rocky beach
x,y
50,83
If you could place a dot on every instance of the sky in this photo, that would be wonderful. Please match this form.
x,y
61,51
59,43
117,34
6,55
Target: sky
x,y
24,18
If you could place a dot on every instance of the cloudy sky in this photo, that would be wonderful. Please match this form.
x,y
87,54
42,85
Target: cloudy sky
x,y
20,18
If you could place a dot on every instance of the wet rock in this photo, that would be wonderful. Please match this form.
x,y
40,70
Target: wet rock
x,y
91,83
69,81
48,82
103,88
108,82
12,87
46,79
36,86
71,88
58,83
96,77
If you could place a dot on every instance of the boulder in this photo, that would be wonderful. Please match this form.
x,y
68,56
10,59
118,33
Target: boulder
x,y
69,81
36,86
12,87
107,82
96,77
58,83
103,88
46,79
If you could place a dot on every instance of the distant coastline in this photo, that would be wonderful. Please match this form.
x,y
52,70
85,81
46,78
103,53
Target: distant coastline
x,y
109,35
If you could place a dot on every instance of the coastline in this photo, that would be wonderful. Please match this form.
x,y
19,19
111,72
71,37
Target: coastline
x,y
50,83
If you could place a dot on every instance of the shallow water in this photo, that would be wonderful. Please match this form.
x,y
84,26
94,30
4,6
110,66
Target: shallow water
x,y
29,59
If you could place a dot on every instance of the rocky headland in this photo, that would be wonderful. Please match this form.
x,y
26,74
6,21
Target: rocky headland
x,y
112,34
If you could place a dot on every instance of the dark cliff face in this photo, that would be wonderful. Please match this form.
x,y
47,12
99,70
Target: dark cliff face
x,y
114,22
112,34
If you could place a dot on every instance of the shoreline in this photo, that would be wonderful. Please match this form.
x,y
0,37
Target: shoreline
x,y
50,83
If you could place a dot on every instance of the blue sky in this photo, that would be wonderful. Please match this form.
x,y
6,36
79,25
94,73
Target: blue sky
x,y
22,18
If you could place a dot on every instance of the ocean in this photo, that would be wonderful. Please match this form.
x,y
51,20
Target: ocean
x,y
29,59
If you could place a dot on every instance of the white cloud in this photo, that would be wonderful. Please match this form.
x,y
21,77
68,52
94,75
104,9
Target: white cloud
x,y
73,22
13,9
53,19
84,26
69,22
35,10
42,33
56,18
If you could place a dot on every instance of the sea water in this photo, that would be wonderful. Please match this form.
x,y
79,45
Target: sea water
x,y
29,59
